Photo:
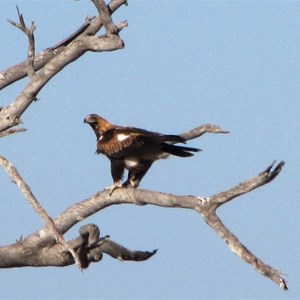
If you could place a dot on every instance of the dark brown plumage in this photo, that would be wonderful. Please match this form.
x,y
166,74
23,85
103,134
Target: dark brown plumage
x,y
133,149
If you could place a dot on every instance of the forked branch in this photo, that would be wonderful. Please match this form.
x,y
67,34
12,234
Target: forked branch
x,y
90,247
31,44
206,206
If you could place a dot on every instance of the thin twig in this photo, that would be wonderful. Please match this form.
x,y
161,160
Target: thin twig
x,y
105,16
11,131
200,130
247,186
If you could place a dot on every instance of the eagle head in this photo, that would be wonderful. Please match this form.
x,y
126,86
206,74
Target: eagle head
x,y
98,124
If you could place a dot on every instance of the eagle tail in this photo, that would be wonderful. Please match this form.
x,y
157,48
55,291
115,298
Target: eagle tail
x,y
179,150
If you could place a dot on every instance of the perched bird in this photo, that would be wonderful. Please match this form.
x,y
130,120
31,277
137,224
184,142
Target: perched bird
x,y
133,149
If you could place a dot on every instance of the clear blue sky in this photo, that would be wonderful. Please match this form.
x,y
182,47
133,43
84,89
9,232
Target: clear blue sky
x,y
235,64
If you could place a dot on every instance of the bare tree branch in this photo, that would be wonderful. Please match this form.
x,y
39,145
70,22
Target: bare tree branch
x,y
90,247
65,42
90,27
25,189
206,206
241,251
11,131
249,185
40,250
92,251
10,115
104,13
198,131
31,46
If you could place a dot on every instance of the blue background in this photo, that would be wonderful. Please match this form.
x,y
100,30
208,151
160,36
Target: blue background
x,y
234,64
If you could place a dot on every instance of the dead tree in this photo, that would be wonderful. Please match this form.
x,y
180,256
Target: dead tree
x,y
47,246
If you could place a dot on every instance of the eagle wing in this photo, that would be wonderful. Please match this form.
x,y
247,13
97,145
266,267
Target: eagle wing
x,y
115,140
126,141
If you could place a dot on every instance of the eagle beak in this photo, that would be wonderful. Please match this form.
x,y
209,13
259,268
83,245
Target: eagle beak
x,y
87,119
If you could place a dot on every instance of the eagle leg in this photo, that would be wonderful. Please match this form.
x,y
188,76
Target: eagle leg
x,y
117,170
131,181
135,175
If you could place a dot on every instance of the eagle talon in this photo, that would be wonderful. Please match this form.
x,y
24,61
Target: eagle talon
x,y
130,183
115,186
